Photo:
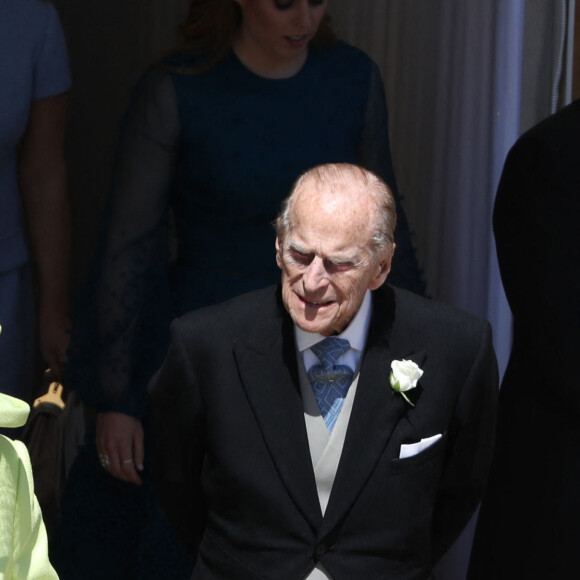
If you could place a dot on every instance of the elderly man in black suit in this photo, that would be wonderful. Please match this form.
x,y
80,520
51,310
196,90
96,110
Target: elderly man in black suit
x,y
529,524
331,427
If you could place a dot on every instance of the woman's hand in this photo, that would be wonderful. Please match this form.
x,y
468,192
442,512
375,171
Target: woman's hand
x,y
120,445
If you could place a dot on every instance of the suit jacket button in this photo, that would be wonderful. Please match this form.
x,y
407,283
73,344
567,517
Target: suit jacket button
x,y
321,549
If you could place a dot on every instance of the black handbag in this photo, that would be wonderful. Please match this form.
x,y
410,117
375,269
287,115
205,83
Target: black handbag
x,y
52,434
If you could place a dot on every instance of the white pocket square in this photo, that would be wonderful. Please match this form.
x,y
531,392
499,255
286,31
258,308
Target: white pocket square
x,y
410,449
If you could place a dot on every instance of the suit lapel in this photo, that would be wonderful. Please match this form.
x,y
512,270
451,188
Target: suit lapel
x,y
375,413
274,395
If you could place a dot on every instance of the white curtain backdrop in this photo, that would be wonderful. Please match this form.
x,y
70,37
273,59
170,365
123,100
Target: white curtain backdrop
x,y
463,78
454,72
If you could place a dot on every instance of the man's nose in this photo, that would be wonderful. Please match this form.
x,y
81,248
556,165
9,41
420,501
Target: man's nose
x,y
315,277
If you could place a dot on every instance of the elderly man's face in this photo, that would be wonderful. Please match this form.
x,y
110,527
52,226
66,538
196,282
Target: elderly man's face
x,y
325,260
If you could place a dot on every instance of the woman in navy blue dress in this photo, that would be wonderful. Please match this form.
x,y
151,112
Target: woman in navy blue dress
x,y
211,144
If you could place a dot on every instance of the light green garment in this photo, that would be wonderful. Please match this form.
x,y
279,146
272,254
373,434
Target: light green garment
x,y
23,541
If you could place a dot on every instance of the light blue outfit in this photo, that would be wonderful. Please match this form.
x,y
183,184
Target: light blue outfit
x,y
33,65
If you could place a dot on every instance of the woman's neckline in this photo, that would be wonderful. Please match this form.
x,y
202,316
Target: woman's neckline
x,y
234,56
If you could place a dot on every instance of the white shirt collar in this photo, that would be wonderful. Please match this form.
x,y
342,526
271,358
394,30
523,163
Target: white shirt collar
x,y
356,332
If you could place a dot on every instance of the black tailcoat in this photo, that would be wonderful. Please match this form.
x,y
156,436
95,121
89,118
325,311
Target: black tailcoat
x,y
232,456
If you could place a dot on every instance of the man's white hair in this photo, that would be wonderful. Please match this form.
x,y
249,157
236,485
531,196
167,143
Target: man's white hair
x,y
337,177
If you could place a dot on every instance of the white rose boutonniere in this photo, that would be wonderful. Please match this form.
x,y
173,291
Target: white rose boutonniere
x,y
404,376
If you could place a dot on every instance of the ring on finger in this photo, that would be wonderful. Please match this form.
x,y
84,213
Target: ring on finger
x,y
105,460
126,461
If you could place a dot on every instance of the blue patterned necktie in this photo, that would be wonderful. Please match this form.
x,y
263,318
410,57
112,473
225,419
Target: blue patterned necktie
x,y
330,382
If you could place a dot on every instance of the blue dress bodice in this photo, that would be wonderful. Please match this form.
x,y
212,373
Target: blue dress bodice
x,y
244,139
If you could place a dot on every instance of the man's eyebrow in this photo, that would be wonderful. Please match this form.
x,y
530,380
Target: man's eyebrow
x,y
335,260
343,260
298,248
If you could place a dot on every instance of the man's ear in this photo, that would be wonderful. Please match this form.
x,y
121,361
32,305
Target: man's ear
x,y
383,268
278,252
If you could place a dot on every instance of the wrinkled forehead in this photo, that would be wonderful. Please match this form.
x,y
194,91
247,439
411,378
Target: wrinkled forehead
x,y
330,225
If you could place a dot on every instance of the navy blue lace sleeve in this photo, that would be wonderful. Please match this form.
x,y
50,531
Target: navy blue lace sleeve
x,y
120,330
375,154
